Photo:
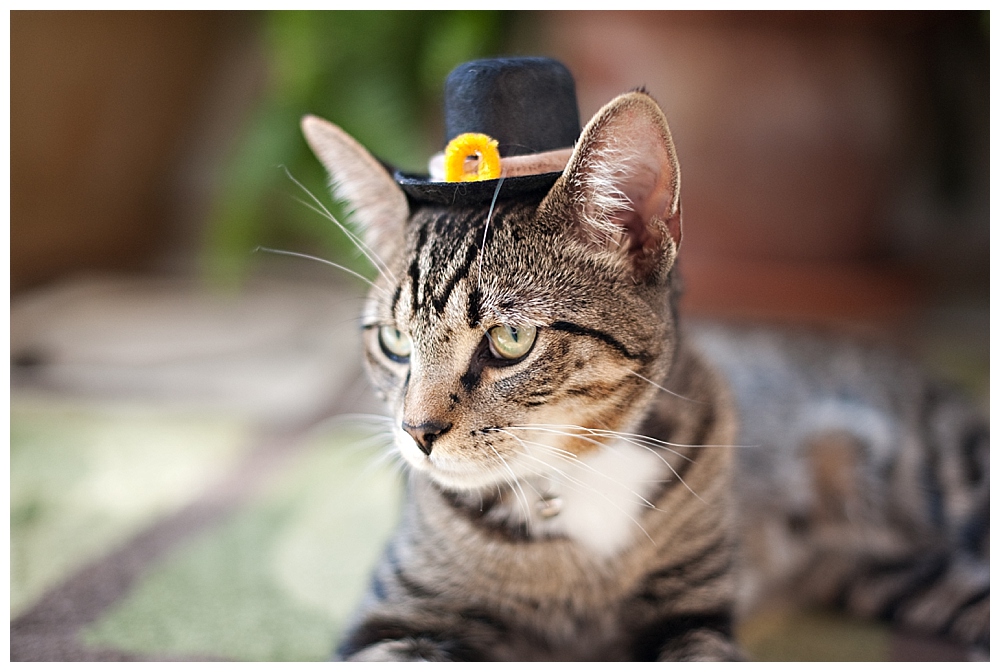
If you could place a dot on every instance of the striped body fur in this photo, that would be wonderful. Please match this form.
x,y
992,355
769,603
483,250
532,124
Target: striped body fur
x,y
574,490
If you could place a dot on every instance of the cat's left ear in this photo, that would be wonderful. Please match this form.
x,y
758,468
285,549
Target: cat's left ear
x,y
621,187
378,206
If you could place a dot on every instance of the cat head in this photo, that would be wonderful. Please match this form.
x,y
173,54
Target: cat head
x,y
505,335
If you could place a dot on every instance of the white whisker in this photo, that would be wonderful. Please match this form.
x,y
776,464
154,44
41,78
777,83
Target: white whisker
x,y
514,482
660,387
360,244
323,261
605,433
623,437
389,456
643,437
575,459
580,486
364,418
482,246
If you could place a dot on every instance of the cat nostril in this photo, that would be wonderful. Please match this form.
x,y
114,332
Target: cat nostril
x,y
426,433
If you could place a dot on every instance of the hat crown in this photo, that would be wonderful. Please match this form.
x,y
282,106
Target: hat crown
x,y
527,104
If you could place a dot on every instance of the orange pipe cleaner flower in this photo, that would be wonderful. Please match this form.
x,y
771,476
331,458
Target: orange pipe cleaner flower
x,y
471,157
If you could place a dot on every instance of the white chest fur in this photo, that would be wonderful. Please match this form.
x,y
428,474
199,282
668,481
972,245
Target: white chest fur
x,y
597,500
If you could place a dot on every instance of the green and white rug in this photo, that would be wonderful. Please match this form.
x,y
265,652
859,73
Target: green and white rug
x,y
144,535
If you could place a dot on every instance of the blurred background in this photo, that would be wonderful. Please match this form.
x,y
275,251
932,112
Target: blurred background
x,y
170,385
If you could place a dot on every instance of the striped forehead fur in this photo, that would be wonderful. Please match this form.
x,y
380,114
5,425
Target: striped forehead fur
x,y
506,290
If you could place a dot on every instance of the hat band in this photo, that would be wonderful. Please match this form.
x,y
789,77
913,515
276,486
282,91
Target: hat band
x,y
514,166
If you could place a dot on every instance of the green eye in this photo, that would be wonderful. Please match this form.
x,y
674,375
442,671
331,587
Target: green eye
x,y
507,342
395,344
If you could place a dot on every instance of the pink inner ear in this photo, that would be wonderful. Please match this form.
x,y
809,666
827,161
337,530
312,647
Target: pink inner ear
x,y
641,237
623,180
648,181
649,188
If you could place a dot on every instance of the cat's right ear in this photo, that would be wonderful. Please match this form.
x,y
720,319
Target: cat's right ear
x,y
377,204
620,191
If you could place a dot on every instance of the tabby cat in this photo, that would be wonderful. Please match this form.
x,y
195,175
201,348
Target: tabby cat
x,y
575,490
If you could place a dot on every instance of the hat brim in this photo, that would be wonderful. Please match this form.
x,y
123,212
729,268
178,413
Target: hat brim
x,y
419,189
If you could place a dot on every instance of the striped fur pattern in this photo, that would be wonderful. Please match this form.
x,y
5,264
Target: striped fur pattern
x,y
864,484
585,499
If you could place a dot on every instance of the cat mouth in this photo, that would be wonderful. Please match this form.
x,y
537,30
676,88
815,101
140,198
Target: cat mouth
x,y
461,477
455,472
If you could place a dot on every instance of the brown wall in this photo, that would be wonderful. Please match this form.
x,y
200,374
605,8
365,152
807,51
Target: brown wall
x,y
99,103
833,163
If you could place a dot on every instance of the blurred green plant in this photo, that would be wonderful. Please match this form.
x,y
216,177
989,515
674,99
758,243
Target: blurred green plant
x,y
377,74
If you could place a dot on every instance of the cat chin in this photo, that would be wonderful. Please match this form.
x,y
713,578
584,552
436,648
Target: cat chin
x,y
458,480
463,482
449,474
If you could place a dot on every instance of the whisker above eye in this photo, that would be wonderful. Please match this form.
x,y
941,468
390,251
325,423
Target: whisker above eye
x,y
482,246
357,275
369,253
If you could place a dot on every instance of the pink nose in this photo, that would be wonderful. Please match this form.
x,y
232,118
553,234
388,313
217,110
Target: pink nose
x,y
426,433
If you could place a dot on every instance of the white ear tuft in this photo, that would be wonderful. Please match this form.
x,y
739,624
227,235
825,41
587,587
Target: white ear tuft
x,y
377,203
623,184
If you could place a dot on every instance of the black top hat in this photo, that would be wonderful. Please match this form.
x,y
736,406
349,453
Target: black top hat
x,y
528,105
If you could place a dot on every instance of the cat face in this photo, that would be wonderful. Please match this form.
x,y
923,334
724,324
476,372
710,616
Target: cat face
x,y
506,338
